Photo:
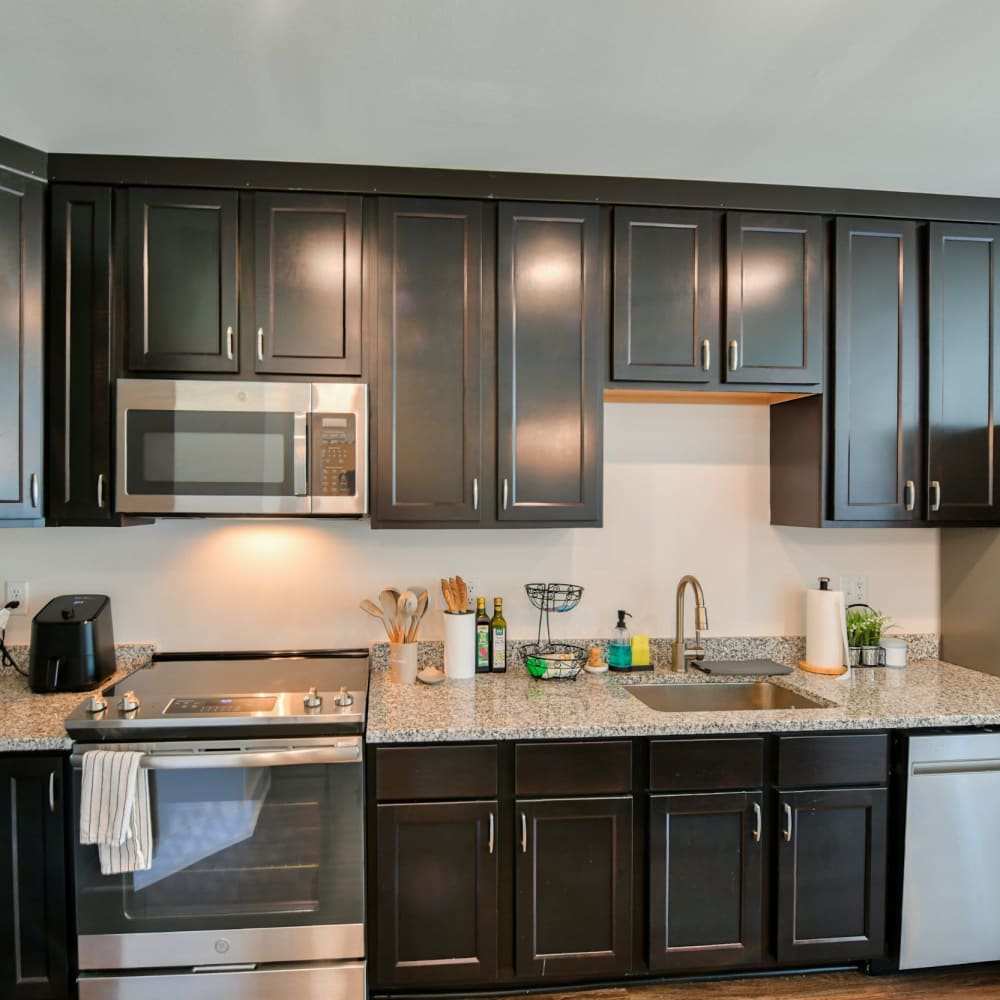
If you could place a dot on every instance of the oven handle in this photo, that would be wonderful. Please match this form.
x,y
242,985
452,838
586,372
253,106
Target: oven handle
x,y
205,760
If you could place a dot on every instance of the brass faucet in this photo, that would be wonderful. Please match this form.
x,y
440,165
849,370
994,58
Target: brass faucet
x,y
680,655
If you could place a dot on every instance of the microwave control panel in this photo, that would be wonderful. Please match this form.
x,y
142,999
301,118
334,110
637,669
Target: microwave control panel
x,y
334,454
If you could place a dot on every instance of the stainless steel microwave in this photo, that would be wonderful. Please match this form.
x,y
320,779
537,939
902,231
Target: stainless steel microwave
x,y
226,447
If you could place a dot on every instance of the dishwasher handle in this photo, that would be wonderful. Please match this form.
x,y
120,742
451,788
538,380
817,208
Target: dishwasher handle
x,y
956,767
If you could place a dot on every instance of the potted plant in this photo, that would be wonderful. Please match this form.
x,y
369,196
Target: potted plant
x,y
865,627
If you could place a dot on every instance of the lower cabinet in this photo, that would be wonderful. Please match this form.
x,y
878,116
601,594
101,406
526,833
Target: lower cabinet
x,y
34,939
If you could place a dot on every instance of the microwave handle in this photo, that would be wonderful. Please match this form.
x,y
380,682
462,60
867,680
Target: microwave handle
x,y
300,452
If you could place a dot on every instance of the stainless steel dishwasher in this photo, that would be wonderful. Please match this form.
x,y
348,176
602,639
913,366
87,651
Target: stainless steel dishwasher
x,y
951,869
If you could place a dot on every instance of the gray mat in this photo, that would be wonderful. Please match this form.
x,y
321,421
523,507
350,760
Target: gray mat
x,y
743,668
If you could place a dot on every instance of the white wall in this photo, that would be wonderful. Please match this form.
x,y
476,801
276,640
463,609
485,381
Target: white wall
x,y
686,491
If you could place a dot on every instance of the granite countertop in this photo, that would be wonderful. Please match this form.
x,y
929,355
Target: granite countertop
x,y
30,721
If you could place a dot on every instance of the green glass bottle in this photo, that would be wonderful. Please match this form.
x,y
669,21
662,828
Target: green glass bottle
x,y
498,638
482,637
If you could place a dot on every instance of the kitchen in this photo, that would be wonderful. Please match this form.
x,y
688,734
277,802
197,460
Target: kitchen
x,y
681,488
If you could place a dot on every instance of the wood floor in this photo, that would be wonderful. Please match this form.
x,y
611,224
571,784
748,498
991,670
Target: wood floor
x,y
981,984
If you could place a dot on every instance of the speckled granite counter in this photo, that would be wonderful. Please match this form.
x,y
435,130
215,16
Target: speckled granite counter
x,y
30,721
514,706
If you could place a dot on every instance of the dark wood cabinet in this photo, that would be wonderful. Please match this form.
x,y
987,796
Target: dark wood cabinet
x,y
430,455
550,342
666,295
34,964
831,875
573,887
183,278
436,899
775,310
21,465
307,285
705,880
963,374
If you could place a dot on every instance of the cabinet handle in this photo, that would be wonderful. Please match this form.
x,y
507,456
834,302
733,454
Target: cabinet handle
x,y
100,490
909,493
524,834
505,492
33,489
260,343
756,822
229,342
706,356
935,495
787,832
492,821
52,792
475,496
734,355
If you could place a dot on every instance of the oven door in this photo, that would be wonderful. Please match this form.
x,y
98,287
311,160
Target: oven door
x,y
191,447
258,856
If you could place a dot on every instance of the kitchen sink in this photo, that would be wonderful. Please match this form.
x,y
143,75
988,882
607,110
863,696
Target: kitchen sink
x,y
759,695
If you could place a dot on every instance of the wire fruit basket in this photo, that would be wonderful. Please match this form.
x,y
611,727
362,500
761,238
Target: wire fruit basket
x,y
548,661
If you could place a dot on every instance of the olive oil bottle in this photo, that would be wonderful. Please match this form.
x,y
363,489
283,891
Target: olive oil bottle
x,y
482,637
498,638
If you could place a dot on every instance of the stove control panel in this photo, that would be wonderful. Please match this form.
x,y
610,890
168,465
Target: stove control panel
x,y
235,705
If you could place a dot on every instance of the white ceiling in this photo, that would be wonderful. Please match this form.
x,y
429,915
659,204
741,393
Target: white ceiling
x,y
898,94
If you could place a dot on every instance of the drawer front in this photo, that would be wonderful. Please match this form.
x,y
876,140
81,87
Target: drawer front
x,y
573,768
705,765
422,774
815,761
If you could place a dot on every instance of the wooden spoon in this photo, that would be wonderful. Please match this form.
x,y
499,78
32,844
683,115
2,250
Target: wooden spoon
x,y
418,615
376,612
389,599
405,607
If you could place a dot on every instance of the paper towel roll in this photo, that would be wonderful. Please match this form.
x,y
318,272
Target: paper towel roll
x,y
826,631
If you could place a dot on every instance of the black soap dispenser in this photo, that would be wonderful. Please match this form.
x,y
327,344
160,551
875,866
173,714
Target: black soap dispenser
x,y
620,646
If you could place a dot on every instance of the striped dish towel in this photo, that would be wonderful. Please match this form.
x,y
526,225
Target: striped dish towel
x,y
114,810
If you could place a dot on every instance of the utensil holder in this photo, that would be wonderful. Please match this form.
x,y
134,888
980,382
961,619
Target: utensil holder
x,y
403,662
459,645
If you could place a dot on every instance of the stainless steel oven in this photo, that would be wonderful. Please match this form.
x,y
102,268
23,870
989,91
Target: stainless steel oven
x,y
228,447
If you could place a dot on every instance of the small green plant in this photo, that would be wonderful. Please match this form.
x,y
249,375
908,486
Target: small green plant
x,y
865,626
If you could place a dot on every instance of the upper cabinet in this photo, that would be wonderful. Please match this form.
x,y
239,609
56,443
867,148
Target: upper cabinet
x,y
20,349
774,299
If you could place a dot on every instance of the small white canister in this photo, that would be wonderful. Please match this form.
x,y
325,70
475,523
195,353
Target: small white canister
x,y
895,652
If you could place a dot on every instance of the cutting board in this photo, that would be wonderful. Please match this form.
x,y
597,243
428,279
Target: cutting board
x,y
743,668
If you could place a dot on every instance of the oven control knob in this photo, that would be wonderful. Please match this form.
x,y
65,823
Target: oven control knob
x,y
344,698
312,700
129,702
95,704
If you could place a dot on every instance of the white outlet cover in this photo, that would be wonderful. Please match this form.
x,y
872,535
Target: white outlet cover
x,y
17,590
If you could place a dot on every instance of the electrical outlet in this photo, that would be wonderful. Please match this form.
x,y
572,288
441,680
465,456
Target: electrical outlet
x,y
855,588
17,590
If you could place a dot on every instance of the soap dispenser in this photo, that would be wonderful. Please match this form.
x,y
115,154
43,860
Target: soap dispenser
x,y
620,647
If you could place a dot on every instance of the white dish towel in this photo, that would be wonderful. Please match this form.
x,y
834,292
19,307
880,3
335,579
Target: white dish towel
x,y
114,810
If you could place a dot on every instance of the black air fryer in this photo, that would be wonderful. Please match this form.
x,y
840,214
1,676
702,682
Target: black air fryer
x,y
72,644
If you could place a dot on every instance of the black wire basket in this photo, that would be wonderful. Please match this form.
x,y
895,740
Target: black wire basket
x,y
548,661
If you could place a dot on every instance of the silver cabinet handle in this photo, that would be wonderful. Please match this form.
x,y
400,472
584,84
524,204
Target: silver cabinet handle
x,y
100,490
33,489
935,495
706,356
475,493
229,342
260,343
757,822
492,822
734,355
787,832
909,494
524,834
505,492
52,792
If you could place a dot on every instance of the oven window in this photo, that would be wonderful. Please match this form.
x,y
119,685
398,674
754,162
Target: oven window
x,y
209,453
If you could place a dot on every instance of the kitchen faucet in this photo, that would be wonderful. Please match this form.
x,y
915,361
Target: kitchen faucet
x,y
680,656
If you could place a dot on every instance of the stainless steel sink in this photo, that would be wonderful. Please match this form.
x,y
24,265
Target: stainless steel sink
x,y
759,695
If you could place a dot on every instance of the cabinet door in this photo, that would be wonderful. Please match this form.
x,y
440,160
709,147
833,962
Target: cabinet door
x,y
831,875
429,457
876,433
550,341
33,959
666,306
20,349
307,289
436,909
963,381
705,880
573,887
182,250
79,365
774,299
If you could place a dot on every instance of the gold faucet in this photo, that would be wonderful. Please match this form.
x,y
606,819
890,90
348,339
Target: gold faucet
x,y
680,655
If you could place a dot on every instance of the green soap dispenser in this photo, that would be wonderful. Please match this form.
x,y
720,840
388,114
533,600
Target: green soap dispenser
x,y
620,647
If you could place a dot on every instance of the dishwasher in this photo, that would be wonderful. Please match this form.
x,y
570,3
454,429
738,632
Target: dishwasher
x,y
951,867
